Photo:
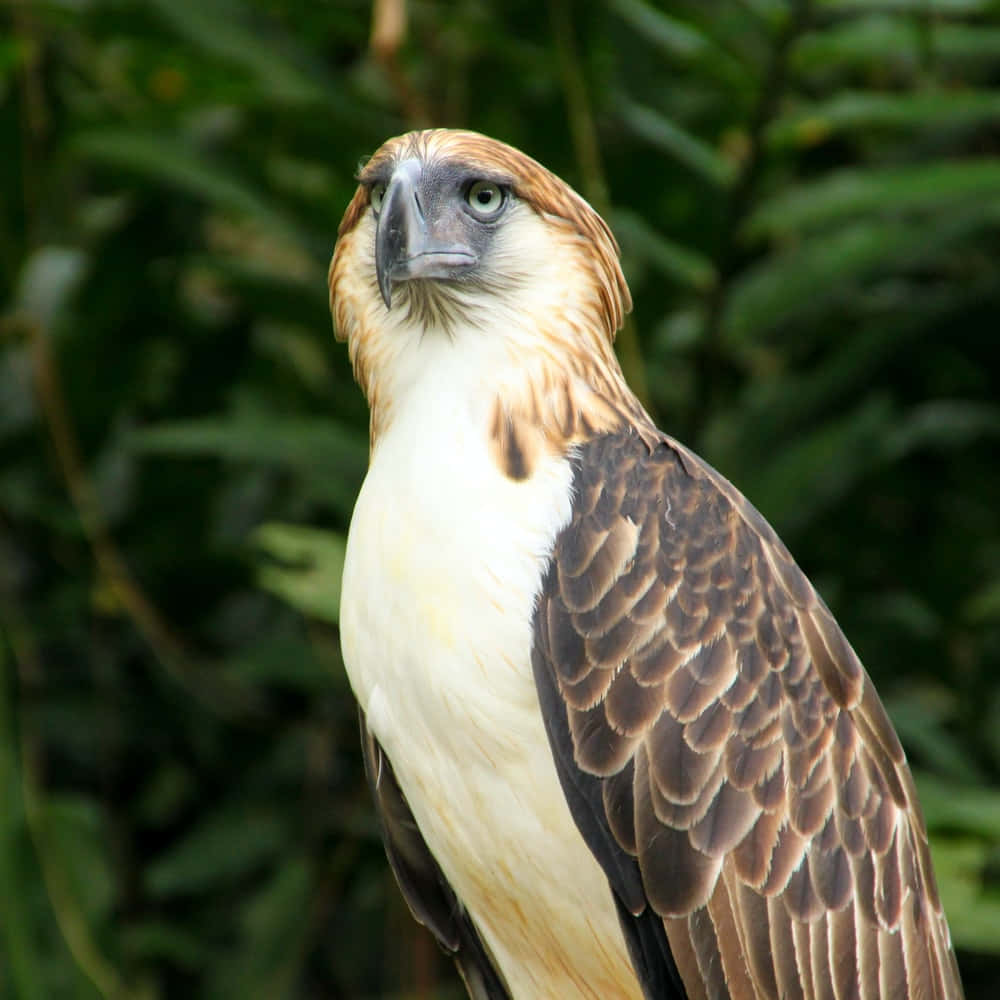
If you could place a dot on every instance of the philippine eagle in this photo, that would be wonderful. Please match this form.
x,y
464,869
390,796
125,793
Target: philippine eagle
x,y
618,745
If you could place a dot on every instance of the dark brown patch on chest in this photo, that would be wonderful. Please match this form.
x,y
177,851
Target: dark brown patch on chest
x,y
514,447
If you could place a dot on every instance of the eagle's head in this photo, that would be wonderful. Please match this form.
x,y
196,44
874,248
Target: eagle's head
x,y
455,243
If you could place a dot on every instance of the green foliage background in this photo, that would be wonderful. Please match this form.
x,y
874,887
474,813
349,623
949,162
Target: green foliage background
x,y
808,200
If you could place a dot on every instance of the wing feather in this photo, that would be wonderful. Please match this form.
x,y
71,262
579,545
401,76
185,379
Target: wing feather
x,y
729,743
427,892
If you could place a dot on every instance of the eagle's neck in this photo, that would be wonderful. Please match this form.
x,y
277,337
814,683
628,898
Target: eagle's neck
x,y
533,388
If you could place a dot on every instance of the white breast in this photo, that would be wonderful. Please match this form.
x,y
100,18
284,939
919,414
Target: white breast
x,y
444,561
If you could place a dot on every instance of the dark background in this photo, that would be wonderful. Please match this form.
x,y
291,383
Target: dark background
x,y
808,201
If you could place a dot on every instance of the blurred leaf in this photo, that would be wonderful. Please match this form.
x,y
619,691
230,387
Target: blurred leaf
x,y
920,721
680,263
967,41
807,126
933,187
984,605
330,458
940,7
876,38
960,808
276,927
881,40
973,915
307,570
812,471
228,844
944,423
170,161
74,833
807,277
680,40
222,28
287,659
670,138
256,437
668,33
49,277
152,940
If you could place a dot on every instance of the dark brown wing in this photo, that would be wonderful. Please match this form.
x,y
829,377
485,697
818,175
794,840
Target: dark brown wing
x,y
430,897
712,725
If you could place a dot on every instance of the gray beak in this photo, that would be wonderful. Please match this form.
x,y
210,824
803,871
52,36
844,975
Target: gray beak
x,y
411,244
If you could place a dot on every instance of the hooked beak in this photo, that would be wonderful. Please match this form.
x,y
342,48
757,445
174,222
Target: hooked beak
x,y
409,244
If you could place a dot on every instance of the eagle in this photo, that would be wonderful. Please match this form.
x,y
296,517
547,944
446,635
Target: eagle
x,y
618,745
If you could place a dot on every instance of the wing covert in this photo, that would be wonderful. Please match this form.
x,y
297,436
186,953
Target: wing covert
x,y
702,701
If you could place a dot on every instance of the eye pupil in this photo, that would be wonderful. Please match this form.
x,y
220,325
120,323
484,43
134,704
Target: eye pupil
x,y
377,194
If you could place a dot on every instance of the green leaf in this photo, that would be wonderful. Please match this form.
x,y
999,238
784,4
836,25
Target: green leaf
x,y
286,659
307,569
226,845
806,277
275,932
221,28
862,40
256,437
920,110
669,34
328,457
680,263
942,423
894,321
882,41
152,940
49,278
961,808
931,187
921,719
810,472
966,41
973,913
984,605
167,160
939,8
681,145
75,837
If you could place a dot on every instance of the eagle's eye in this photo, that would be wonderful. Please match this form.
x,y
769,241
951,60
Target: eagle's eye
x,y
376,196
485,198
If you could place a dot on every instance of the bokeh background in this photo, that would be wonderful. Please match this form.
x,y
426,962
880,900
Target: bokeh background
x,y
807,195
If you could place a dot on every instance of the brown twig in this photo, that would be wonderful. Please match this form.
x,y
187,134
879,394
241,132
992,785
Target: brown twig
x,y
588,156
389,21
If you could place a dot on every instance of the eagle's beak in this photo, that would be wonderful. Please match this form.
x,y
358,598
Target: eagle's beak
x,y
411,244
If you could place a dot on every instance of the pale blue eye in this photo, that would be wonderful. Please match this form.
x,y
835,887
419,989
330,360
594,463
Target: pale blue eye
x,y
485,198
